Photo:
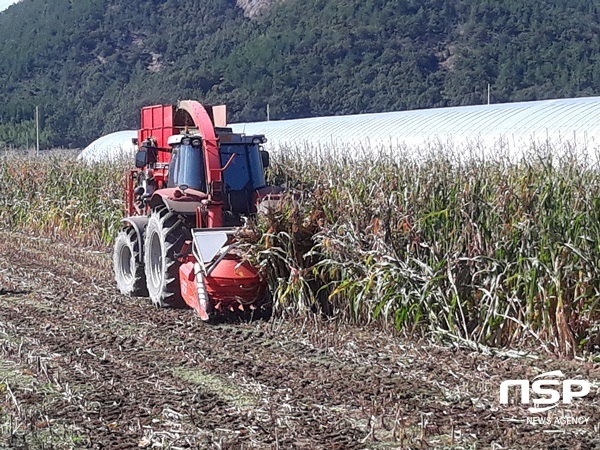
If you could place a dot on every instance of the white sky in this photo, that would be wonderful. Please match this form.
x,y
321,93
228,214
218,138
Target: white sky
x,y
6,3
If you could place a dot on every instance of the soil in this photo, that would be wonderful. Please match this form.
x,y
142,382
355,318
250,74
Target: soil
x,y
83,367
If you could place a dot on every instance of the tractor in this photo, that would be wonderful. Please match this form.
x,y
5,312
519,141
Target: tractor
x,y
194,185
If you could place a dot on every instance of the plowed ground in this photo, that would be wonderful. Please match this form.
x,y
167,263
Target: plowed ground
x,y
84,367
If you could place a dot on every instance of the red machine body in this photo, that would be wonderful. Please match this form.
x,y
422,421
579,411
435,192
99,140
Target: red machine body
x,y
160,122
195,182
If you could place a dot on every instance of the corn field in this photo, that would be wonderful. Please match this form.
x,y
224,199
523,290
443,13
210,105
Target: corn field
x,y
495,252
57,197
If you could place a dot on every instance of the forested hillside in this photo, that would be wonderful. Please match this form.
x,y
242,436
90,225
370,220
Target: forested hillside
x,y
91,64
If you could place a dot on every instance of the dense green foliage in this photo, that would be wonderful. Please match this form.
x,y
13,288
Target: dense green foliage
x,y
91,64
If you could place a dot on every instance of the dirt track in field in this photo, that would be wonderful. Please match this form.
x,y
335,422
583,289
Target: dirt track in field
x,y
83,367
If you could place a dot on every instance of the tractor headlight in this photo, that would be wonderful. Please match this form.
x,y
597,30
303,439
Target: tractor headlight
x,y
196,142
186,141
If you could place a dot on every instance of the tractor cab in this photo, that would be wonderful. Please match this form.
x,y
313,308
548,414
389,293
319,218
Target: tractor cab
x,y
244,163
187,162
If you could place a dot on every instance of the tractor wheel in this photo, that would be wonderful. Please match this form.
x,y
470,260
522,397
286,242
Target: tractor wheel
x,y
129,271
165,236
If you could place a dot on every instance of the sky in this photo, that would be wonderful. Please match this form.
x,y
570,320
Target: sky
x,y
6,3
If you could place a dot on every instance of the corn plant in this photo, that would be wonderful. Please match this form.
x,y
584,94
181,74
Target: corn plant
x,y
497,251
60,197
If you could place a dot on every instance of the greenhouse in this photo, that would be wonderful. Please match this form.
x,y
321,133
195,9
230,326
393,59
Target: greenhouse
x,y
111,147
483,129
511,128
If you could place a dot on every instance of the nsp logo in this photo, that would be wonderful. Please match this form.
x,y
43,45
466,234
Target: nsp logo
x,y
540,387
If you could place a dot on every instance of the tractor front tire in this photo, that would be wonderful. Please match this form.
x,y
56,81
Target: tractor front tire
x,y
164,237
128,270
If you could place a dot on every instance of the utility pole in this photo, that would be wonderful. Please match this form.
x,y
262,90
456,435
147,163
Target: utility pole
x,y
37,130
268,112
489,94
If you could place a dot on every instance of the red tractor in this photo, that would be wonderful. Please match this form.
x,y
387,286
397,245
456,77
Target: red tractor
x,y
194,185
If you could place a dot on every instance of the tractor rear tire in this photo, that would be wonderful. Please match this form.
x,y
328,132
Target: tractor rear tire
x,y
164,238
128,270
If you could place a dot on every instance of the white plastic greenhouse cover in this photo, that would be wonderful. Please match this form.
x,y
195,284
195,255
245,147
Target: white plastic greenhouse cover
x,y
508,126
111,147
511,127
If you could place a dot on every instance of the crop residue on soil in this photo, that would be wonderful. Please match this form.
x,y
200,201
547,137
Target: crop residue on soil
x,y
85,367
